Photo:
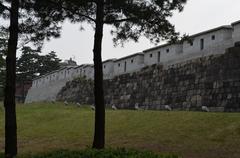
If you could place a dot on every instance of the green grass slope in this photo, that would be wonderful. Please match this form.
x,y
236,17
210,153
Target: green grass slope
x,y
91,153
45,127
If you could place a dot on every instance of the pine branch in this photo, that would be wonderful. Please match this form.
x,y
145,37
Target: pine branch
x,y
119,20
74,11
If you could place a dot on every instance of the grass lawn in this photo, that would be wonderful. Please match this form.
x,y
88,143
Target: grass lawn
x,y
45,127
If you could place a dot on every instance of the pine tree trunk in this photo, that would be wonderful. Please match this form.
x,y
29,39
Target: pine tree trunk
x,y
9,101
22,92
99,133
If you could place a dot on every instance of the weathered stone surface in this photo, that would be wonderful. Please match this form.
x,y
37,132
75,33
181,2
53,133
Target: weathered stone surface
x,y
212,81
79,90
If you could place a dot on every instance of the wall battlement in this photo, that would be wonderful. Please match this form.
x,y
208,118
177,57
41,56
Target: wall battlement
x,y
207,43
212,81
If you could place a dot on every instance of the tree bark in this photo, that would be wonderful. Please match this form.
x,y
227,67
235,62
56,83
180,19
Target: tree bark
x,y
99,133
22,99
9,99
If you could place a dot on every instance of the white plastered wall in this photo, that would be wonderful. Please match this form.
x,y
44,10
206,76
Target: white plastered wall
x,y
88,72
219,45
236,32
133,63
108,69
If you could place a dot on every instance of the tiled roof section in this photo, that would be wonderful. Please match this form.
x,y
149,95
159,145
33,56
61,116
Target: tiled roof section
x,y
49,73
109,60
157,47
235,23
130,56
225,27
192,36
80,66
88,65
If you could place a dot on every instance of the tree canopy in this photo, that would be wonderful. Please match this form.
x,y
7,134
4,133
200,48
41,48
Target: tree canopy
x,y
33,28
31,64
130,19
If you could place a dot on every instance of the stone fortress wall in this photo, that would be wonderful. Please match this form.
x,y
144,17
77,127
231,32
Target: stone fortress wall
x,y
212,81
211,42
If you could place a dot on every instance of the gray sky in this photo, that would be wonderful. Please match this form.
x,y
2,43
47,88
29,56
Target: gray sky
x,y
198,15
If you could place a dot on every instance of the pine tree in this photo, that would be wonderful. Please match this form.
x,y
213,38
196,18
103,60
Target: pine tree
x,y
32,64
9,99
27,64
2,75
3,49
31,29
48,63
130,19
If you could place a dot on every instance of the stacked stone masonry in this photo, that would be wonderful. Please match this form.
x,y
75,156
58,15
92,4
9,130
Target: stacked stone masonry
x,y
204,44
212,81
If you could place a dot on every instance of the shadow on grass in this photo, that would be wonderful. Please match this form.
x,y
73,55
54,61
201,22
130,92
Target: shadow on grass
x,y
90,153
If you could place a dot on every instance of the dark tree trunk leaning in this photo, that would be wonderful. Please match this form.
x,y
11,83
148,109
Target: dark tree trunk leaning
x,y
99,133
9,100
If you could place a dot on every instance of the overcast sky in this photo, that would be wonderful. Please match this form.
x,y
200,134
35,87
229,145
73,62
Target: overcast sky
x,y
198,15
